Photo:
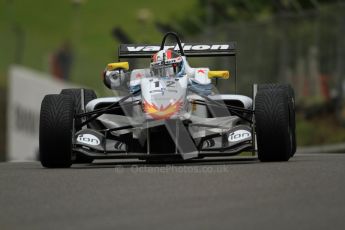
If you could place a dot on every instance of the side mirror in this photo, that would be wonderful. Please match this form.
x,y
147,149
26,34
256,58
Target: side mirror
x,y
224,74
118,65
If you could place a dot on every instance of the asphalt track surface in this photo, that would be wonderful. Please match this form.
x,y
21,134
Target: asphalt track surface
x,y
308,192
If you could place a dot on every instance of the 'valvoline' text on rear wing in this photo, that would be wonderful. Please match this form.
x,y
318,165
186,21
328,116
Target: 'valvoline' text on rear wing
x,y
190,50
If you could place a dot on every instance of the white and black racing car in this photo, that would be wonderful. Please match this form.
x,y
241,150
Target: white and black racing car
x,y
170,112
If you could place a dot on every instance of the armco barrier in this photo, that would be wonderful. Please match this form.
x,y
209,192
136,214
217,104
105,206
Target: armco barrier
x,y
26,90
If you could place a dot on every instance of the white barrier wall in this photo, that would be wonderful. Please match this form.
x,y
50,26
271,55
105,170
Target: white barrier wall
x,y
27,88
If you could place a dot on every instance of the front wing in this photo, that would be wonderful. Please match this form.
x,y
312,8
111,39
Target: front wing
x,y
191,140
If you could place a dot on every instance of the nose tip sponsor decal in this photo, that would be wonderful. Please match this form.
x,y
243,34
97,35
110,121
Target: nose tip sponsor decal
x,y
162,112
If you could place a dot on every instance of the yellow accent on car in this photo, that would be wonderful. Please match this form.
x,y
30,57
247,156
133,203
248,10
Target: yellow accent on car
x,y
118,65
219,74
193,106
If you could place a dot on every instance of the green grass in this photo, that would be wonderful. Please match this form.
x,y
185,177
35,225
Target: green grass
x,y
47,24
319,131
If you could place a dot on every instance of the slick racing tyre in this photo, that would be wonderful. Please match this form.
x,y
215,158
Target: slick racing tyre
x,y
274,134
55,131
89,95
291,99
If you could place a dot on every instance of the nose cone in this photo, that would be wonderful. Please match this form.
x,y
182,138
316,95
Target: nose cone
x,y
163,98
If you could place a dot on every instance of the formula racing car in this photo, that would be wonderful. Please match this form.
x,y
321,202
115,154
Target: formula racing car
x,y
171,112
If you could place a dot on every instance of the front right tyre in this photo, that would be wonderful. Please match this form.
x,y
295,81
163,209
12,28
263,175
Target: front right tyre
x,y
89,95
55,131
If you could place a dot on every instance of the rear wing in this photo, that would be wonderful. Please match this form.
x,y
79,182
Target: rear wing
x,y
190,50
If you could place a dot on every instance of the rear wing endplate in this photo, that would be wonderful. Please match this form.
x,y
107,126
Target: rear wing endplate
x,y
190,50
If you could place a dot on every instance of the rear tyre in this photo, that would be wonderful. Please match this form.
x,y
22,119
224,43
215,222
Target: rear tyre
x,y
292,116
89,95
55,131
274,134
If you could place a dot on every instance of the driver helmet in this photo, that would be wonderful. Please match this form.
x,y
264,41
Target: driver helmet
x,y
167,63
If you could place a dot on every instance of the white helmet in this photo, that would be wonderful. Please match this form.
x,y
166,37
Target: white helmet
x,y
167,63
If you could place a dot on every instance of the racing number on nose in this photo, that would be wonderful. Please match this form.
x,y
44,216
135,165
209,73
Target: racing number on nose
x,y
169,84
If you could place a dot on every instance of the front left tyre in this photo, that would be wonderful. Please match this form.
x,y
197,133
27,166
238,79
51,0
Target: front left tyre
x,y
291,101
273,125
55,131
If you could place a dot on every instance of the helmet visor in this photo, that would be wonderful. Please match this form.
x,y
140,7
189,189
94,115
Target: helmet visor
x,y
167,68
